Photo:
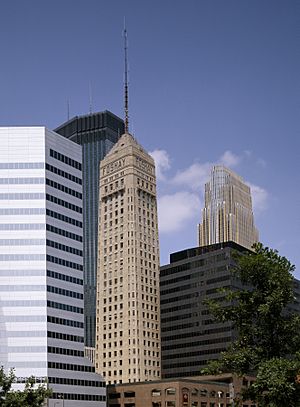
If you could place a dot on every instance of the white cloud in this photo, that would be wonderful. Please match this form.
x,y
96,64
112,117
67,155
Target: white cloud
x,y
261,162
229,159
162,162
259,198
194,176
176,209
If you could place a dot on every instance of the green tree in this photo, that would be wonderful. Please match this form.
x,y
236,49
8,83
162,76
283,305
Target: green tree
x,y
268,335
31,396
5,384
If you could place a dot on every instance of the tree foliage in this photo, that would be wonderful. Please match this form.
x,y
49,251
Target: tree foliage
x,y
31,396
268,335
276,383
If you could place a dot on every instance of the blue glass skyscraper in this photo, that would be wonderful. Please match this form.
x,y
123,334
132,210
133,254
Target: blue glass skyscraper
x,y
96,133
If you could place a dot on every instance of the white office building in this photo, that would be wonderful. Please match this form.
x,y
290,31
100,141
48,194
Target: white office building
x,y
41,266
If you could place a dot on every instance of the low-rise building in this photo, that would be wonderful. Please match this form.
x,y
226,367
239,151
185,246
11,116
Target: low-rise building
x,y
202,391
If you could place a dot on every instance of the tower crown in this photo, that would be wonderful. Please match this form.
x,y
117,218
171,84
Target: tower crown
x,y
227,214
125,141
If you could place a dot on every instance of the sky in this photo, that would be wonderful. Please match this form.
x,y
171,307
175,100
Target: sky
x,y
210,81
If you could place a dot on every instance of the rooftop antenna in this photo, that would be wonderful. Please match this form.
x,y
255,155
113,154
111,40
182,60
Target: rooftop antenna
x,y
68,109
126,80
90,97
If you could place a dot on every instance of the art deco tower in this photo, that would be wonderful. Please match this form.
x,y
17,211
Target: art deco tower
x,y
227,214
128,327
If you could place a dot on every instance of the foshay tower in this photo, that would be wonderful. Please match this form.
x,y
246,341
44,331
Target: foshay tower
x,y
227,214
128,314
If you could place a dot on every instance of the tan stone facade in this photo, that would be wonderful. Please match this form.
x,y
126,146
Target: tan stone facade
x,y
128,327
212,391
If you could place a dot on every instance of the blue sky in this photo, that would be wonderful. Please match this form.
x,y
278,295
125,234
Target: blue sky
x,y
210,81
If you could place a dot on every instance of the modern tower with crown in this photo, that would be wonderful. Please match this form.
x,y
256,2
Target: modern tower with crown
x,y
128,310
227,214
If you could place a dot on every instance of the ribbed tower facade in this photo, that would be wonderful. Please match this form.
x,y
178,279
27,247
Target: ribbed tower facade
x,y
96,133
227,214
128,313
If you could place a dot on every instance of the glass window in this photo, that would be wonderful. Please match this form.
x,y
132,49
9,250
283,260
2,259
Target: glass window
x,y
170,391
129,394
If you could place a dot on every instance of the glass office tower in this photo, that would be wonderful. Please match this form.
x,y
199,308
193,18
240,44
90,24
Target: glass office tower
x,y
227,214
96,133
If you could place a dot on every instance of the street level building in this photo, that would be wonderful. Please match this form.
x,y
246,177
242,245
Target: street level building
x,y
202,391
227,214
295,306
96,133
128,326
189,335
41,266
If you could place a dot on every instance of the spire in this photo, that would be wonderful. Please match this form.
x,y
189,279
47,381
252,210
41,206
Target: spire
x,y
126,81
68,109
90,97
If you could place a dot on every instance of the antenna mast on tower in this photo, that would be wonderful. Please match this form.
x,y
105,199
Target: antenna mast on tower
x,y
68,109
126,81
90,98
